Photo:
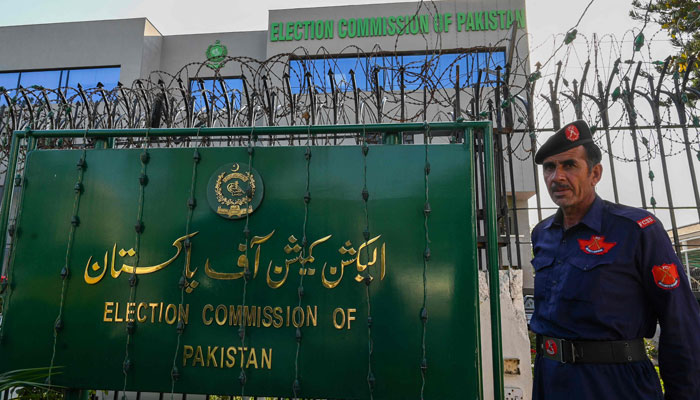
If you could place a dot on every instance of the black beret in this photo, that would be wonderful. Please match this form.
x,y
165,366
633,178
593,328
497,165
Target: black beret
x,y
571,135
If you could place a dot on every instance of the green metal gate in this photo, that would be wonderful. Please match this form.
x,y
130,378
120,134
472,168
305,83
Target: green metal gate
x,y
295,271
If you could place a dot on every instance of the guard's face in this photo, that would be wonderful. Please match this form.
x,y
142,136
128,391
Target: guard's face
x,y
568,180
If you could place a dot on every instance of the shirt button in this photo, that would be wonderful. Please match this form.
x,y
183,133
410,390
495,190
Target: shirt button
x,y
563,241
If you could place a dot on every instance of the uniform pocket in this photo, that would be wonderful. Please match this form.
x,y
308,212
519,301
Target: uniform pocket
x,y
589,263
541,262
542,266
584,278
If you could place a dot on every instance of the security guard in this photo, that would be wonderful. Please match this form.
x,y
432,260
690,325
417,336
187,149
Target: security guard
x,y
605,274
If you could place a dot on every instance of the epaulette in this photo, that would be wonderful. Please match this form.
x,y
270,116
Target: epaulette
x,y
542,222
641,217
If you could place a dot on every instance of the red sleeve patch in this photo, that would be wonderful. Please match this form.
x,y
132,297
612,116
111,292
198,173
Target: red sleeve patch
x,y
666,276
644,222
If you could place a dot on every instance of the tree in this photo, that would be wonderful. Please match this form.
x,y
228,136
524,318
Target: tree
x,y
681,20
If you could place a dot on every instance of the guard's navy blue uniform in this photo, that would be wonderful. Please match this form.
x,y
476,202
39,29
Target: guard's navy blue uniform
x,y
612,277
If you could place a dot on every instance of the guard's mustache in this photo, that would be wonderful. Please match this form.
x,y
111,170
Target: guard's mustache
x,y
557,187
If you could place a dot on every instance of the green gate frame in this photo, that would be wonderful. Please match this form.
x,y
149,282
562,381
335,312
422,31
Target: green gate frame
x,y
390,132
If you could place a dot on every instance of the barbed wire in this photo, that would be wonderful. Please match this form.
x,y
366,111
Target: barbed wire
x,y
284,88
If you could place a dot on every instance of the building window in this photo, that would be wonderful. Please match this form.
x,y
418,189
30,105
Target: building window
x,y
61,79
214,90
439,71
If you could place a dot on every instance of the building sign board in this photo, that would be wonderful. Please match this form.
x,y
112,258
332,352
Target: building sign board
x,y
398,25
290,292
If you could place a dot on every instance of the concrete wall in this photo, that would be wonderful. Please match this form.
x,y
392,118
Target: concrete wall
x,y
152,46
180,50
75,44
515,341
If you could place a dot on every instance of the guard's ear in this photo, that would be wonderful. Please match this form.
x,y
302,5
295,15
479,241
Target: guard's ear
x,y
596,174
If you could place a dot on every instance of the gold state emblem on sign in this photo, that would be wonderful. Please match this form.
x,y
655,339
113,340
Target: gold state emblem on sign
x,y
235,190
237,193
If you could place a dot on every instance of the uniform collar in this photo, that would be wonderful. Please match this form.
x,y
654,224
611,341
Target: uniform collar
x,y
593,218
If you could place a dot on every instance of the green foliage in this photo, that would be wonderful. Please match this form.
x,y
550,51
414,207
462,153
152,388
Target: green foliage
x,y
37,393
681,20
533,340
660,380
28,383
653,354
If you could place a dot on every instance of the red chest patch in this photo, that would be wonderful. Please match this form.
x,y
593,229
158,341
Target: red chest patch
x,y
595,245
572,133
644,222
666,276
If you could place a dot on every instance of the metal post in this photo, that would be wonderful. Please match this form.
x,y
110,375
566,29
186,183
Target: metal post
x,y
7,195
501,171
533,144
680,108
469,143
492,262
657,123
632,114
244,130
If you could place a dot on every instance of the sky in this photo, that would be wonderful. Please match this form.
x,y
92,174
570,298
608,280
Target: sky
x,y
172,17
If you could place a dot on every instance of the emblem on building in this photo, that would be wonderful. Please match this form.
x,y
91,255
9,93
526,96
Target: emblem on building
x,y
235,191
216,54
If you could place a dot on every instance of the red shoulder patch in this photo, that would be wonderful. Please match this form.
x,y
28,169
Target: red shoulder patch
x,y
644,222
571,133
666,276
595,245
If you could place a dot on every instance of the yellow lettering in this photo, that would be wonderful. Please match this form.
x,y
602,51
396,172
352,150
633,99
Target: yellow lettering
x,y
252,359
279,320
250,317
187,352
234,315
267,316
130,311
207,307
230,359
211,356
351,311
311,315
298,322
138,312
116,313
153,311
168,319
220,321
160,315
198,357
336,312
108,310
266,359
242,350
184,313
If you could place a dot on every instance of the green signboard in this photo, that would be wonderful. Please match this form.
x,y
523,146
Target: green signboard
x,y
259,273
396,25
